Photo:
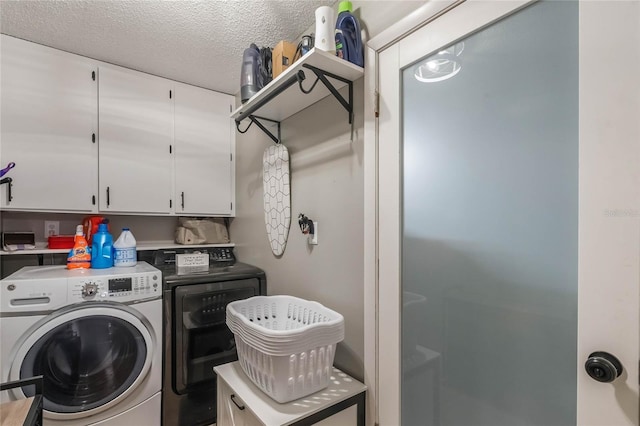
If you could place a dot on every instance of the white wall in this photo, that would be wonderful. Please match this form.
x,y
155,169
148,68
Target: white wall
x,y
327,184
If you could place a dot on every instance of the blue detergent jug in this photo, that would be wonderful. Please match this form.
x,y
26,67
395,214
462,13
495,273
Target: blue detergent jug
x,y
348,36
102,248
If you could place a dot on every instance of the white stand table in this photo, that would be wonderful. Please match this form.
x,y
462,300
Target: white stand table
x,y
240,402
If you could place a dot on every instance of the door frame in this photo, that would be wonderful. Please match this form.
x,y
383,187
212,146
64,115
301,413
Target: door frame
x,y
594,229
428,12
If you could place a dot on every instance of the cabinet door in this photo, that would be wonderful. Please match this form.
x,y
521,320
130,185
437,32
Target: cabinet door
x,y
136,126
231,410
49,114
204,138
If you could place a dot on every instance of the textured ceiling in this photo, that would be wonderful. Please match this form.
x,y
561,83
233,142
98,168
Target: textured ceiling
x,y
196,42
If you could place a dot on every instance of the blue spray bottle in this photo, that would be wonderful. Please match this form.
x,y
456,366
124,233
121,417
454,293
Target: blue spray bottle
x,y
348,36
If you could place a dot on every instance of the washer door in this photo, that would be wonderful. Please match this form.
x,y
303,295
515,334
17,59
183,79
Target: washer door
x,y
91,358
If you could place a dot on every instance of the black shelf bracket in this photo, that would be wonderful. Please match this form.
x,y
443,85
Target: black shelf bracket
x,y
322,76
255,119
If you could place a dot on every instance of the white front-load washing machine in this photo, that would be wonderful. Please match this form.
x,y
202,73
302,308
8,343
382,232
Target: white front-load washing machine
x,y
95,335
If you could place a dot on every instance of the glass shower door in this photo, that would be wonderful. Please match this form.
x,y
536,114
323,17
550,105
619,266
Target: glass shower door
x,y
490,225
508,252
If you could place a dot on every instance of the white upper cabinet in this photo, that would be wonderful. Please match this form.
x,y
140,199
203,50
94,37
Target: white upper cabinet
x,y
91,137
136,132
204,151
49,116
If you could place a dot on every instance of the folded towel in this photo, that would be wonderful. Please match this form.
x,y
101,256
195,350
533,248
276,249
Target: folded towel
x,y
17,247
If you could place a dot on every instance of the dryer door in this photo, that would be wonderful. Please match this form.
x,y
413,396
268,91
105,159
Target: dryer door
x,y
91,356
202,338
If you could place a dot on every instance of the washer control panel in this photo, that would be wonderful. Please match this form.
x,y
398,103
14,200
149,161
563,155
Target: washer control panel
x,y
121,288
45,288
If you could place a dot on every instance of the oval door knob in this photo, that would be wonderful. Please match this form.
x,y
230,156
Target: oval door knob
x,y
603,367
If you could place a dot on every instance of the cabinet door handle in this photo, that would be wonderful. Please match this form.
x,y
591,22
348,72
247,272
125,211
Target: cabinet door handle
x,y
108,197
182,195
9,183
233,399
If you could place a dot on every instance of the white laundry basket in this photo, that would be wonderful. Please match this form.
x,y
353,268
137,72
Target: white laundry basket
x,y
286,345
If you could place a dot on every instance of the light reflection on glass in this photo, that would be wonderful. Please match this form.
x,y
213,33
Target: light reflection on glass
x,y
441,66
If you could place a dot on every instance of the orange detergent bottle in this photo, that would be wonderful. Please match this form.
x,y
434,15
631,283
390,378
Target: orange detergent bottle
x,y
79,256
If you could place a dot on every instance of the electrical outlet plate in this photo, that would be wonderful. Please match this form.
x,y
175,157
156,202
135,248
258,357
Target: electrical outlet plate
x,y
51,227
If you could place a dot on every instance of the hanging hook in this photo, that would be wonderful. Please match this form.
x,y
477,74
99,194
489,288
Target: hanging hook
x,y
306,224
254,119
301,77
245,130
10,166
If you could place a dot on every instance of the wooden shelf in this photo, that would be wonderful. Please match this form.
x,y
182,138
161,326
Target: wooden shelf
x,y
283,97
41,248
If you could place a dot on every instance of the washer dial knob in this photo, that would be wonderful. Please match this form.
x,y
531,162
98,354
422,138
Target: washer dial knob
x,y
89,289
